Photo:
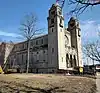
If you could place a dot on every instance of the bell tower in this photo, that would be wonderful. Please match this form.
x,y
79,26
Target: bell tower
x,y
73,27
56,44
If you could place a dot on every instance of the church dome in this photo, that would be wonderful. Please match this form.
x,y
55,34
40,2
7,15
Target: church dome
x,y
72,18
55,5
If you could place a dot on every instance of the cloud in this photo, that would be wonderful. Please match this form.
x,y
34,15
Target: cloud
x,y
7,34
99,27
89,30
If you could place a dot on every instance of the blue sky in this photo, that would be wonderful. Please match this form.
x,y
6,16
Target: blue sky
x,y
13,11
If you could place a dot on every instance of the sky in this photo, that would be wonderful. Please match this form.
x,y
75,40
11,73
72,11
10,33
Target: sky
x,y
12,13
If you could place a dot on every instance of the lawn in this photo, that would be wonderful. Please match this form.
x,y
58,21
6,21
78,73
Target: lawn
x,y
45,83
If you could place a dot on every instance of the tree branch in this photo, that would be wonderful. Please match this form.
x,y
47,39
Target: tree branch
x,y
81,5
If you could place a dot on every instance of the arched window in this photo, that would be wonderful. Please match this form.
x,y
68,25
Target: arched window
x,y
67,60
52,29
52,21
71,64
67,56
74,60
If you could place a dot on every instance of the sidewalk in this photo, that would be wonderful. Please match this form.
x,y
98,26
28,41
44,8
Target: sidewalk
x,y
98,82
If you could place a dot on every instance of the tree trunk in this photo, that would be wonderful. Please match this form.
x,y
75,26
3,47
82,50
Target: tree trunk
x,y
28,56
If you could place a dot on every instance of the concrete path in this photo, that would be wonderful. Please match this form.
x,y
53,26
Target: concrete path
x,y
98,82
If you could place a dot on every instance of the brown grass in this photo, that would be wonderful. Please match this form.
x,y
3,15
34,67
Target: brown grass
x,y
45,83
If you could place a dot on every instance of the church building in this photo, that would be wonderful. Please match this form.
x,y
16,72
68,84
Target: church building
x,y
59,50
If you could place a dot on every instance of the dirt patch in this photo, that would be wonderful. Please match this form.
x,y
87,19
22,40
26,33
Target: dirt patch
x,y
45,83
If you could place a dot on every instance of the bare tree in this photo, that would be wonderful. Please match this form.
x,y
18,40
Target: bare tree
x,y
92,50
79,6
29,30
